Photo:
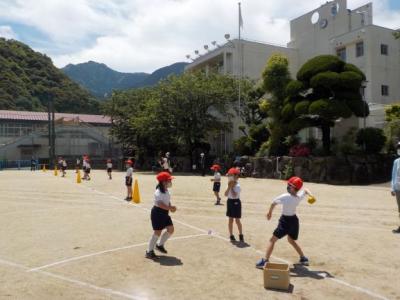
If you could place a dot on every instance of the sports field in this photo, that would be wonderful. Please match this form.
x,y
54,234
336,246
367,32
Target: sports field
x,y
63,240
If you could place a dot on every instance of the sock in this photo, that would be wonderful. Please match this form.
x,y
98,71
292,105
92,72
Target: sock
x,y
164,238
152,242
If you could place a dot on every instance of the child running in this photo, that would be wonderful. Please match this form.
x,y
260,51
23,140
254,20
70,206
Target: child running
x,y
234,205
217,182
288,222
160,218
109,168
128,179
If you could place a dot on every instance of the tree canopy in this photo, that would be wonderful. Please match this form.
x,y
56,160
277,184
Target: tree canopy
x,y
177,115
326,89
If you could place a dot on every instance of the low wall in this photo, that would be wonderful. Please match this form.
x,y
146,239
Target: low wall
x,y
333,170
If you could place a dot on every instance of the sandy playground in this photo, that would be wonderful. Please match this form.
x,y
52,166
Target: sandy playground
x,y
63,240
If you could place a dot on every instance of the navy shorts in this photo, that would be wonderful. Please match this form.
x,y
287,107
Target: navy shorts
x,y
128,181
87,170
109,170
234,208
288,225
160,218
216,186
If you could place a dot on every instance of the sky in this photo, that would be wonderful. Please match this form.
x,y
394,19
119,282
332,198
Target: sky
x,y
144,35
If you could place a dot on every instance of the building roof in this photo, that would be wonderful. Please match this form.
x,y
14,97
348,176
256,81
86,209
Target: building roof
x,y
42,116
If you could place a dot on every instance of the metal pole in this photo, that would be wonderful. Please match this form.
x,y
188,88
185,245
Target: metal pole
x,y
49,125
240,59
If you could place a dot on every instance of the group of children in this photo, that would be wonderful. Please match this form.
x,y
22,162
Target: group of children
x,y
288,224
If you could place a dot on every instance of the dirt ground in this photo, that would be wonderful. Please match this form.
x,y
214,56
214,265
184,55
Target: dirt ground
x,y
63,240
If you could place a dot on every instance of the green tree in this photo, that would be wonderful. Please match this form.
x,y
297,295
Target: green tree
x,y
177,114
276,77
326,89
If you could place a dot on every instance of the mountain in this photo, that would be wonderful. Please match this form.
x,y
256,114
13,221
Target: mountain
x,y
28,79
100,80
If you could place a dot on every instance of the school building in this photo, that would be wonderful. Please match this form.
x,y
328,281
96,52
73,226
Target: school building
x,y
333,29
24,135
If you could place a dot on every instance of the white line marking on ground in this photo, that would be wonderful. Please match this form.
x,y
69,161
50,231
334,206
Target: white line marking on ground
x,y
64,261
74,281
368,292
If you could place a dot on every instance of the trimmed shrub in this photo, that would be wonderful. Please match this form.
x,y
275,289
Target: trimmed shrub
x,y
294,87
350,80
353,68
358,108
373,139
326,80
321,63
301,108
288,111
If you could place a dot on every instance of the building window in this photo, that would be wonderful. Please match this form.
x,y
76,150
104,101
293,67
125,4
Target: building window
x,y
384,49
385,90
359,49
341,53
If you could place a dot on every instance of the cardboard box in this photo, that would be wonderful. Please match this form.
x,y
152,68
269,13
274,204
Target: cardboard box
x,y
276,276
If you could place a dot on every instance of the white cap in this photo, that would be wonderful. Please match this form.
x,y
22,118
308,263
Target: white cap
x,y
201,154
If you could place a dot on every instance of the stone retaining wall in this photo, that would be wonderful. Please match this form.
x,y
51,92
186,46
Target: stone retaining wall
x,y
333,170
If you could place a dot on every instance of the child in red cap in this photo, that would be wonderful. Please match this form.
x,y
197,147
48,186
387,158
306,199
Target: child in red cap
x,y
217,182
234,205
288,222
160,218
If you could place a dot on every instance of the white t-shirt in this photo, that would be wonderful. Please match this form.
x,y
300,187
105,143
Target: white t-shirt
x,y
87,165
235,189
165,164
109,165
84,164
64,163
217,177
163,198
289,202
129,172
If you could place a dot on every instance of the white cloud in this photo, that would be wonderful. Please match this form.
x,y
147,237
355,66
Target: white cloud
x,y
7,32
143,35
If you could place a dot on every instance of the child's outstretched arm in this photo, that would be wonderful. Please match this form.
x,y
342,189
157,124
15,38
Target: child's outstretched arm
x,y
271,208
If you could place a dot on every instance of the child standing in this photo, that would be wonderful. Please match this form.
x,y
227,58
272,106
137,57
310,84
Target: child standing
x,y
63,167
128,179
217,182
234,205
87,169
160,218
288,222
109,168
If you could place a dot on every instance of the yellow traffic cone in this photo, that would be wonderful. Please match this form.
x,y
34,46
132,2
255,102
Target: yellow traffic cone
x,y
78,177
55,171
136,194
44,168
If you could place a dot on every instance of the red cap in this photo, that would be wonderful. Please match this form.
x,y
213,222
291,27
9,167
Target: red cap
x,y
109,160
296,182
128,162
164,176
216,167
233,171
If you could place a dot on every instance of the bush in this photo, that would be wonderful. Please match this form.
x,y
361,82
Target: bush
x,y
259,134
373,139
244,146
288,171
318,64
299,150
326,80
358,108
301,108
294,87
264,149
355,69
288,111
350,80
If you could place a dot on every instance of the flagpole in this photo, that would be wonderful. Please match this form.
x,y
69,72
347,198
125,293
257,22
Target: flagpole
x,y
240,58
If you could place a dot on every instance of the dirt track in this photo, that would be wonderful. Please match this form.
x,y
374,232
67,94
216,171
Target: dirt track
x,y
61,240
